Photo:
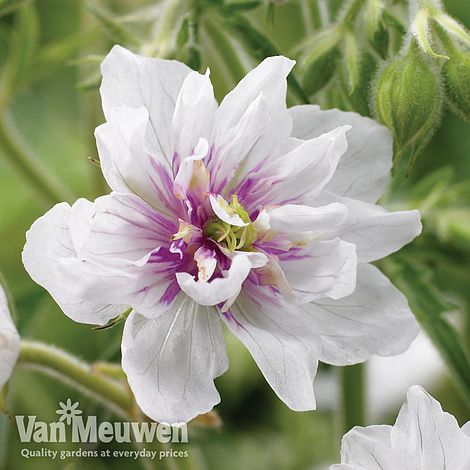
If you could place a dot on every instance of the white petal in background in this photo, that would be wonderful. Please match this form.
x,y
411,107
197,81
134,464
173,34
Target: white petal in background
x,y
171,362
424,437
9,341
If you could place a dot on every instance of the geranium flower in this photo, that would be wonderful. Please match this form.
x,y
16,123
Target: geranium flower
x,y
423,438
9,341
248,212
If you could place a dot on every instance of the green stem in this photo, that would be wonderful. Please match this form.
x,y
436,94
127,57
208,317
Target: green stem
x,y
349,14
353,391
61,365
49,189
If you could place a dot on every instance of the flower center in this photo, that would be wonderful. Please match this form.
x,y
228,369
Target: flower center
x,y
231,236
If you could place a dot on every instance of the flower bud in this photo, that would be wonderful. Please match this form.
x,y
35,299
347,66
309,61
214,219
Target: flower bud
x,y
456,77
319,63
407,98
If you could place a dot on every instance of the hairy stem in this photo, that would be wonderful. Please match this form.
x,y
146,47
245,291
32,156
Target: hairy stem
x,y
63,366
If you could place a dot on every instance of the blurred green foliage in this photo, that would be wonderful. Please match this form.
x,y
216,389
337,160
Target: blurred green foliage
x,y
54,102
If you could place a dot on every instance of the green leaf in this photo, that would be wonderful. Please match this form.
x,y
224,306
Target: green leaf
x,y
319,62
19,69
113,27
7,6
257,44
59,53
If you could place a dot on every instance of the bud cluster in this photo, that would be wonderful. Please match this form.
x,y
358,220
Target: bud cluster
x,y
369,61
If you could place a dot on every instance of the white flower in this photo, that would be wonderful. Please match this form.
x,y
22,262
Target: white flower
x,y
246,211
423,438
9,341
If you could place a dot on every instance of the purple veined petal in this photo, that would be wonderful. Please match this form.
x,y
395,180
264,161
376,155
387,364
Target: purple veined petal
x,y
364,170
374,319
193,117
281,342
9,341
320,269
172,361
147,285
375,231
48,243
126,227
129,167
297,176
230,158
135,81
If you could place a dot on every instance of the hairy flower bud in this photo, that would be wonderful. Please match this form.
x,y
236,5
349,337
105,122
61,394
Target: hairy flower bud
x,y
456,77
407,98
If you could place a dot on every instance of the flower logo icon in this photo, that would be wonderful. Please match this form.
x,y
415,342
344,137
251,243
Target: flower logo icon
x,y
68,411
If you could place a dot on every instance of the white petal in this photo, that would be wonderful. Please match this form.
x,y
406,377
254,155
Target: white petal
x,y
425,437
343,467
375,319
206,262
127,228
224,212
278,338
321,269
363,171
9,341
297,218
134,81
369,448
171,361
219,289
466,428
193,178
375,231
127,164
48,244
193,118
302,173
232,148
268,78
